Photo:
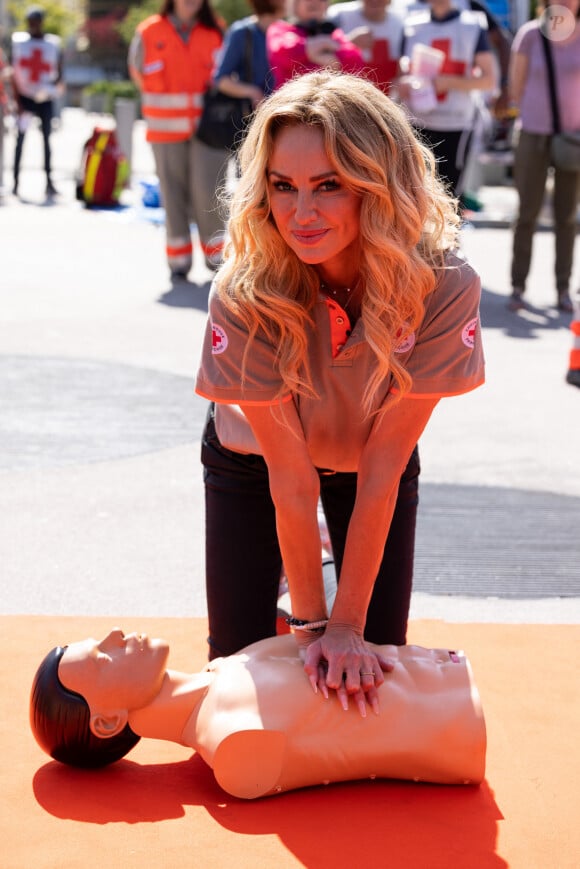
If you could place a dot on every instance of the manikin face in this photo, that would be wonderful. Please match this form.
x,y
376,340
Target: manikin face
x,y
119,672
314,212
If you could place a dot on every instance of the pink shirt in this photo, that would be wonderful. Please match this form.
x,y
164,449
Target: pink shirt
x,y
535,110
286,48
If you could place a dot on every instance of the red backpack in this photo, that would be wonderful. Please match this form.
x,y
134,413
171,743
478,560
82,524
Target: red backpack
x,y
104,170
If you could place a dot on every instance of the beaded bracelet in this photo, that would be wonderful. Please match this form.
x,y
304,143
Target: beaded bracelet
x,y
301,625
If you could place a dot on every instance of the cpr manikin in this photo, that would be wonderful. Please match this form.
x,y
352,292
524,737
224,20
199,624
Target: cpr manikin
x,y
255,719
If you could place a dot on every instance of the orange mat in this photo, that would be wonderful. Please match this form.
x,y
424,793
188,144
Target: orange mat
x,y
162,809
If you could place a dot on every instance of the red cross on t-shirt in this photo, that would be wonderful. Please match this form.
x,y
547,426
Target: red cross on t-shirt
x,y
35,65
450,66
385,66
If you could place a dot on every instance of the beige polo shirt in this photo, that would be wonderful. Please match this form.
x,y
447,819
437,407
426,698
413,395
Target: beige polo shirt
x,y
444,357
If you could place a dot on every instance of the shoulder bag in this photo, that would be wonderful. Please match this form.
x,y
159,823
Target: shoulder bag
x,y
565,147
224,118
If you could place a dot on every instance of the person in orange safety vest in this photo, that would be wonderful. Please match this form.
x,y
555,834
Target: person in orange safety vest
x,y
171,59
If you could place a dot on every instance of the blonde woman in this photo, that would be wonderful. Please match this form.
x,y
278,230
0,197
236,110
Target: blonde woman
x,y
338,320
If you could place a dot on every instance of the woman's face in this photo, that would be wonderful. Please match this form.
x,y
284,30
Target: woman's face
x,y
186,10
119,672
314,212
310,10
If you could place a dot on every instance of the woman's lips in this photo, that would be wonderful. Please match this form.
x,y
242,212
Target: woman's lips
x,y
311,236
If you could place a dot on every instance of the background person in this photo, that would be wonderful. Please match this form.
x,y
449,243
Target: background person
x,y
378,31
468,68
335,325
4,103
307,41
530,93
230,73
36,79
171,59
254,720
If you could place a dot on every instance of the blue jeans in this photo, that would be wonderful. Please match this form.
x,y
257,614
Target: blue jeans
x,y
243,560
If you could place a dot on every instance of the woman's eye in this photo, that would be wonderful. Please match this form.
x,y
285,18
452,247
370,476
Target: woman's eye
x,y
330,185
283,186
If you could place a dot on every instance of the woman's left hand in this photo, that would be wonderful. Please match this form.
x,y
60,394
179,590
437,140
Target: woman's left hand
x,y
341,660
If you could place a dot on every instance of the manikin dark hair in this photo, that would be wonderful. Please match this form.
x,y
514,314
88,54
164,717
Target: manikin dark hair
x,y
60,718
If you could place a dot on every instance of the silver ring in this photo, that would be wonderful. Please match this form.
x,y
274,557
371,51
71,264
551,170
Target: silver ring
x,y
368,674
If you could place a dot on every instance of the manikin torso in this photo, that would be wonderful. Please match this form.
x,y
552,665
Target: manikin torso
x,y
263,730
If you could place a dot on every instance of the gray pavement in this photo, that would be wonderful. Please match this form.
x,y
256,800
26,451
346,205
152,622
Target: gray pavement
x,y
100,484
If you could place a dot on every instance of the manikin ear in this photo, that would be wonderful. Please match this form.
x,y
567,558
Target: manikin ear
x,y
110,724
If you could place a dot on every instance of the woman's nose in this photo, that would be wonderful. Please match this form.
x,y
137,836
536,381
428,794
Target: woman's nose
x,y
305,208
116,637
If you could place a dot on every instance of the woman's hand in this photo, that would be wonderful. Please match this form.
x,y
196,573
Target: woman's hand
x,y
321,49
341,660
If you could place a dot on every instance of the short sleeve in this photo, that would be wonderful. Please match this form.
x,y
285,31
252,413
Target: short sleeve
x,y
219,376
231,56
135,56
445,356
523,40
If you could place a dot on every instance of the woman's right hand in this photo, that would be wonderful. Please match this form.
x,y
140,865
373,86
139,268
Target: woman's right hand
x,y
341,660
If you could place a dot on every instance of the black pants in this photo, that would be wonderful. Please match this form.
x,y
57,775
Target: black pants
x,y
451,149
243,560
43,111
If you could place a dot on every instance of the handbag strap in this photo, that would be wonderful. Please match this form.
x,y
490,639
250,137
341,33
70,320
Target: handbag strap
x,y
551,83
248,55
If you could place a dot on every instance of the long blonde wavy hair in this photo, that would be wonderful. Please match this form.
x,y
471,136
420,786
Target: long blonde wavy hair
x,y
407,223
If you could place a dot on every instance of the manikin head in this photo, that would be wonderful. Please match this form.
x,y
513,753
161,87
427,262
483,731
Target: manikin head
x,y
82,695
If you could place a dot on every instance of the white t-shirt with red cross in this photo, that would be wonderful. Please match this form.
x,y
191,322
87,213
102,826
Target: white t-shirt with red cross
x,y
36,65
383,59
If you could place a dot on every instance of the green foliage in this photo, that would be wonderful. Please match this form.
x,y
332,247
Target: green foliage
x,y
135,15
111,90
229,10
59,19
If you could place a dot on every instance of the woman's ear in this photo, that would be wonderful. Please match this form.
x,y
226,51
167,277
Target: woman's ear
x,y
108,725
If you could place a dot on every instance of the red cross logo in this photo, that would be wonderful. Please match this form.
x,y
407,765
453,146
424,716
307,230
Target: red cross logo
x,y
450,66
385,65
219,339
35,65
468,333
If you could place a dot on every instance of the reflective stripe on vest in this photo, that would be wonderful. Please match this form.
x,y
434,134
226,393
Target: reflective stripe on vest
x,y
159,111
166,101
169,125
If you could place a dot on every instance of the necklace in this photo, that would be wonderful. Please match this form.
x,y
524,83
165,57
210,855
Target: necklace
x,y
339,294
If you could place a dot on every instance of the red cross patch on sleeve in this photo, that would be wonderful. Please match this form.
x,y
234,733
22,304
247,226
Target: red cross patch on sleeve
x,y
468,333
219,339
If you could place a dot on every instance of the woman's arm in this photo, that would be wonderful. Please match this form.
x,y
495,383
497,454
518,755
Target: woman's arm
x,y
484,77
135,61
229,75
234,87
295,487
517,76
383,461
